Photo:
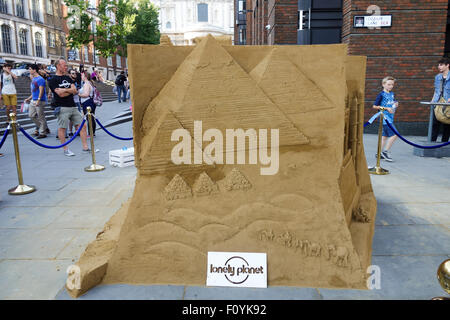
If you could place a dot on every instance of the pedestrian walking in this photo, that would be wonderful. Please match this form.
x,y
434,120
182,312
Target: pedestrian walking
x,y
37,101
8,89
386,99
120,85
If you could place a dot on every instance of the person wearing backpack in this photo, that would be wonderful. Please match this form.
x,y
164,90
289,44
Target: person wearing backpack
x,y
86,95
120,85
8,90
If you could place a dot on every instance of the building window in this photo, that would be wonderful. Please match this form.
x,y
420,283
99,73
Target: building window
x,y
202,12
6,38
23,44
118,61
20,8
97,57
86,54
94,27
3,6
168,25
110,61
51,40
35,10
50,7
73,54
38,42
242,6
242,36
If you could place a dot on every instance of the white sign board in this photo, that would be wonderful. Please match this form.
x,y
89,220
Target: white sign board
x,y
237,269
373,21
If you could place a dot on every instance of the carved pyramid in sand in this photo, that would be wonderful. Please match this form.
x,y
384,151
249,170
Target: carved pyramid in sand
x,y
301,216
209,86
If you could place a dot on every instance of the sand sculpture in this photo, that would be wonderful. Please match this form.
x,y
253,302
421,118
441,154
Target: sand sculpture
x,y
314,218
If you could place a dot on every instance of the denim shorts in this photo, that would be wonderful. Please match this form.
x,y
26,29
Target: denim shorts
x,y
388,132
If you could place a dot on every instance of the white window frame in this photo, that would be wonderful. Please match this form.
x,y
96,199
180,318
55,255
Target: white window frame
x,y
118,61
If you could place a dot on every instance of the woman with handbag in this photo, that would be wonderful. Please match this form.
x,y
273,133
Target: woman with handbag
x,y
441,94
86,95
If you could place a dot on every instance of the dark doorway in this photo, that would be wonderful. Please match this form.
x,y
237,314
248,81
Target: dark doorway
x,y
319,21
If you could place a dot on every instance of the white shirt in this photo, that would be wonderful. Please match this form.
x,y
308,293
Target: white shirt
x,y
8,86
88,87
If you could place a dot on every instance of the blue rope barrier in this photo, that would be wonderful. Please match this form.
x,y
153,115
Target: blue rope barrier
x,y
5,134
112,135
413,144
366,124
54,147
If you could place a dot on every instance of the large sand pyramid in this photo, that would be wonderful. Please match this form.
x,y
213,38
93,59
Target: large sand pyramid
x,y
314,217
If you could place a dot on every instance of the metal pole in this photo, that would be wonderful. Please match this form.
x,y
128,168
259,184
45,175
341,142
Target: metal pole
x,y
430,123
21,188
377,169
93,167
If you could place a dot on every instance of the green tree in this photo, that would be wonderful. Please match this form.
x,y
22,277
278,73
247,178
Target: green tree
x,y
80,34
116,17
145,25
120,22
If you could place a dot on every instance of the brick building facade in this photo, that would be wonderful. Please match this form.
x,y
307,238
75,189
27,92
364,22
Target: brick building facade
x,y
90,57
408,50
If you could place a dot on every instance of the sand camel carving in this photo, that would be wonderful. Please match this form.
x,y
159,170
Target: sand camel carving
x,y
179,212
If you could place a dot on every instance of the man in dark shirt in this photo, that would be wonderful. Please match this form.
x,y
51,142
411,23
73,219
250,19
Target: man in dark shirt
x,y
120,86
63,90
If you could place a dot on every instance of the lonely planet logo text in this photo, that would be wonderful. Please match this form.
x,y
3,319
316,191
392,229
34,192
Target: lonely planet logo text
x,y
236,270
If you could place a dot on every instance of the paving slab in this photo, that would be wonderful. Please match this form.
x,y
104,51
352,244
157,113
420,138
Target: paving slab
x,y
391,214
32,279
28,217
128,292
426,213
401,278
75,248
410,240
34,243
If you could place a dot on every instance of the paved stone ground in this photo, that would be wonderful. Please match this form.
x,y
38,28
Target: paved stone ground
x,y
42,233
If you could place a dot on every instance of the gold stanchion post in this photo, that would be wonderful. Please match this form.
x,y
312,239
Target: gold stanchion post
x,y
377,169
93,167
21,188
443,275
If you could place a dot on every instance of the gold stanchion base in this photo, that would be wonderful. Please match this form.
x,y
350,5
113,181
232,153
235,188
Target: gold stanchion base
x,y
378,171
21,189
94,168
440,298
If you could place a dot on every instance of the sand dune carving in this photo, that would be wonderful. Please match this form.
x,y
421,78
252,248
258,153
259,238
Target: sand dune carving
x,y
314,217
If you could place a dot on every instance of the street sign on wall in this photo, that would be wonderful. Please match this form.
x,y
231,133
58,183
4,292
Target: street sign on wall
x,y
373,21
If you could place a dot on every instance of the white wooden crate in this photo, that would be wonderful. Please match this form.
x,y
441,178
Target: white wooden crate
x,y
121,158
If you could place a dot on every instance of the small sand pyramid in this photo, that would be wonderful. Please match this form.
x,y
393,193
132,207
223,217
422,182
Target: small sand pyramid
x,y
204,186
177,189
287,85
235,180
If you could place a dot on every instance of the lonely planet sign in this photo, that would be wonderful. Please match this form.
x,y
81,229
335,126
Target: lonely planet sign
x,y
237,269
